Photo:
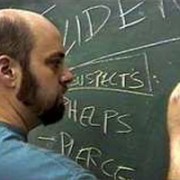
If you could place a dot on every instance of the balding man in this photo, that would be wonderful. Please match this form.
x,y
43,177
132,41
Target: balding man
x,y
33,80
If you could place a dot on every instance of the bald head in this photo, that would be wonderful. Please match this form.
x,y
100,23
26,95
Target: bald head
x,y
19,31
28,16
32,19
18,12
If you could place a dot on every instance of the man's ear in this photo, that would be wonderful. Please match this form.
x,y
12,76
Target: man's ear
x,y
7,71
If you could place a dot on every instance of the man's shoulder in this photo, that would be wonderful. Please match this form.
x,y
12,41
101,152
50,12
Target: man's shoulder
x,y
20,159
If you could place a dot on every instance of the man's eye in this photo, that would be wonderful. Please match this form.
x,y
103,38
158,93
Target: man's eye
x,y
57,62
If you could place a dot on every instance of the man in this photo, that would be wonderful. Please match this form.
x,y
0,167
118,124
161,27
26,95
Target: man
x,y
33,80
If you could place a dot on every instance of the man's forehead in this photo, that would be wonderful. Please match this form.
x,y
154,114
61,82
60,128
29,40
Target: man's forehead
x,y
48,40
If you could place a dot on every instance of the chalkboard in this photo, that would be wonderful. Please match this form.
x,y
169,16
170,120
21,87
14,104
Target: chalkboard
x,y
125,56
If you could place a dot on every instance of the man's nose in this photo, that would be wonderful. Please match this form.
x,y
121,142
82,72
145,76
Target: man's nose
x,y
66,76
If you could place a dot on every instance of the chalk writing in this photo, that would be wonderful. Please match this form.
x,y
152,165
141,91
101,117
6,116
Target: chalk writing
x,y
123,14
91,156
87,12
49,9
65,38
88,155
72,109
115,176
65,32
176,4
79,30
159,43
93,31
87,115
67,143
131,79
148,72
112,90
103,79
43,138
109,116
161,7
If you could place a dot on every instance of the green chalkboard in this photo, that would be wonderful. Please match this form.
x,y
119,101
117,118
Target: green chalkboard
x,y
125,55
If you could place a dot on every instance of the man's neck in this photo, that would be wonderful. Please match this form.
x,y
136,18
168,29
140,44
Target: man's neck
x,y
16,114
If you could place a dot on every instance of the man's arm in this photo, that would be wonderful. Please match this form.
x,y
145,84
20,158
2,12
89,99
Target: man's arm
x,y
173,125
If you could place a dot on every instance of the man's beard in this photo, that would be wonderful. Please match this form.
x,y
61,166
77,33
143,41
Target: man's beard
x,y
52,115
28,96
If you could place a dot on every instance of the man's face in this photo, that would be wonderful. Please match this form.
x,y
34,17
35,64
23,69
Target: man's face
x,y
45,79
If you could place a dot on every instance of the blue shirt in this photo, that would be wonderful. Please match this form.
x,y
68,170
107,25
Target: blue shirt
x,y
22,161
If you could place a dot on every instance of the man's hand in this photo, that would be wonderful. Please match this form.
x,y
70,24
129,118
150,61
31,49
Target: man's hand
x,y
173,126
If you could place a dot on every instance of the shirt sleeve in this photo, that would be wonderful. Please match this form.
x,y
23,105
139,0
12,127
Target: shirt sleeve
x,y
28,162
